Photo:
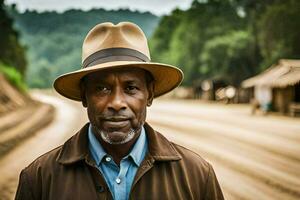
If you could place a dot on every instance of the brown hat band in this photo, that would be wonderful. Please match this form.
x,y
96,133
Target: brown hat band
x,y
114,54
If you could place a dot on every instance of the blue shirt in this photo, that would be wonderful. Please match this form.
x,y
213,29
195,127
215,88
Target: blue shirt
x,y
118,179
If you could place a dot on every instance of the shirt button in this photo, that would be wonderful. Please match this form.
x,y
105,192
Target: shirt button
x,y
108,159
118,180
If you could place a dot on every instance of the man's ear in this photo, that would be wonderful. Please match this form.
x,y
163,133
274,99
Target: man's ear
x,y
150,93
82,94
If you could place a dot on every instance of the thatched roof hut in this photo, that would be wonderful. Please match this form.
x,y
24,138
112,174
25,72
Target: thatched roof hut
x,y
285,73
282,80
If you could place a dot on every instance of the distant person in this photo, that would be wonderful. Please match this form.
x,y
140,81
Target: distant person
x,y
117,155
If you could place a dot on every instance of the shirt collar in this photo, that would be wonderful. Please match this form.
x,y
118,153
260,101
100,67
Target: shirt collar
x,y
139,148
97,151
136,153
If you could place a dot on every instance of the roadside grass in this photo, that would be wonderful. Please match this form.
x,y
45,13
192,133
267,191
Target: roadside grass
x,y
13,76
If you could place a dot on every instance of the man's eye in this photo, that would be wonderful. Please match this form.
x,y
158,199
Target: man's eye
x,y
102,89
131,88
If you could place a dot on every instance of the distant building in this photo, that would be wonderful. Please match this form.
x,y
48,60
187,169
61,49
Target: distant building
x,y
278,87
206,89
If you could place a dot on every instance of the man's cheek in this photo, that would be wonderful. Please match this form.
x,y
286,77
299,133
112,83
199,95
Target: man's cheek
x,y
140,118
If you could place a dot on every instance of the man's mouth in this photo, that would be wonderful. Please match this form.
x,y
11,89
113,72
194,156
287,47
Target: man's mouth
x,y
116,118
115,122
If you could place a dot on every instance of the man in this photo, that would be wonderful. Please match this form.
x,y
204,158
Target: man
x,y
118,155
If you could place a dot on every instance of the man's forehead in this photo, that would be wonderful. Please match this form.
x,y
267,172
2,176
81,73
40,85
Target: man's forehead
x,y
130,72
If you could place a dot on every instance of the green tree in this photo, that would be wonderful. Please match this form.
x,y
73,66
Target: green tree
x,y
12,52
54,39
279,32
228,39
182,42
162,37
229,56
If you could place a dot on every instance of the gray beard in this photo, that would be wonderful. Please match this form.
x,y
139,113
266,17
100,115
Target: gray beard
x,y
127,138
105,136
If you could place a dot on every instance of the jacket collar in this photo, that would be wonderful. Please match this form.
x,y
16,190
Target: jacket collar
x,y
76,148
159,147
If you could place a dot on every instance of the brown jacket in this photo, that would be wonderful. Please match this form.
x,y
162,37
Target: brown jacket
x,y
169,171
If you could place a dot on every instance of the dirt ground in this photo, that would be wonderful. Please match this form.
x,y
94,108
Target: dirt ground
x,y
255,157
69,118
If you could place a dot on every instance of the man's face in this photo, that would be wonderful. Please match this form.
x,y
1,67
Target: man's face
x,y
116,103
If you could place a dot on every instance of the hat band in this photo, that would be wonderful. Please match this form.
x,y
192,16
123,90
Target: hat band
x,y
114,54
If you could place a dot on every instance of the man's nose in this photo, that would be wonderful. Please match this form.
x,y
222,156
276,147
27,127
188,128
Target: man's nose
x,y
117,100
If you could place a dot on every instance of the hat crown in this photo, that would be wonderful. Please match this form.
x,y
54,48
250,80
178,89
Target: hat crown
x,y
109,46
107,36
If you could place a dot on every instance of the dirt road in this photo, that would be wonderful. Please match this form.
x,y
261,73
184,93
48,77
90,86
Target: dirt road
x,y
255,157
69,118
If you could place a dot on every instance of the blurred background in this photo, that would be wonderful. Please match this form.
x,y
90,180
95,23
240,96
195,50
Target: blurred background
x,y
238,107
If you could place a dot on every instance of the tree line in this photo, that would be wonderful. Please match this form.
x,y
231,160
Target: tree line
x,y
228,40
54,40
12,53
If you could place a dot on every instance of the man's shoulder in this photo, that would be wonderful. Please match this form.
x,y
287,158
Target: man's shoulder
x,y
54,158
45,162
189,154
200,172
49,161
191,158
190,167
165,148
186,157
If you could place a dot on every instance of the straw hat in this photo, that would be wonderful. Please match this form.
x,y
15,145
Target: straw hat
x,y
116,46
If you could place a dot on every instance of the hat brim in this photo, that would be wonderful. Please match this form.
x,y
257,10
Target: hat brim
x,y
166,77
